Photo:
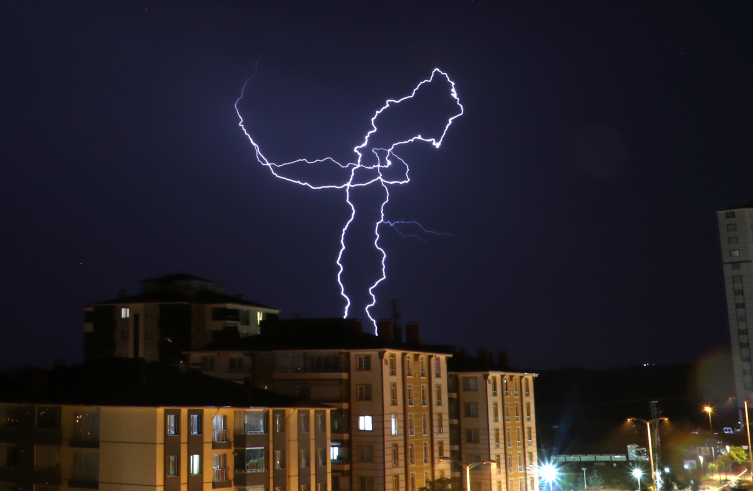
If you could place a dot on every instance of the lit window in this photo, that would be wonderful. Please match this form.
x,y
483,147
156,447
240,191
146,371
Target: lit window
x,y
172,424
195,424
279,423
334,452
259,318
365,423
734,253
125,313
279,459
393,420
172,465
195,464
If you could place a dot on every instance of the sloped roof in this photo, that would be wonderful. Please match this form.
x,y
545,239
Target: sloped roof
x,y
179,277
171,296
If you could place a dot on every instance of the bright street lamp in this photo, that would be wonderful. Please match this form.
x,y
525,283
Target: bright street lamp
x,y
637,473
467,468
709,410
548,473
650,447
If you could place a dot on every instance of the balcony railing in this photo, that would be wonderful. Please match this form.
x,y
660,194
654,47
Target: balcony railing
x,y
219,436
85,474
253,468
221,475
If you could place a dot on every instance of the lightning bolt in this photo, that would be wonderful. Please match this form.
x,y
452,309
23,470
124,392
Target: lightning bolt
x,y
351,170
395,224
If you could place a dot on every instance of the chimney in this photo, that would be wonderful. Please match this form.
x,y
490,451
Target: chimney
x,y
121,293
384,330
502,359
398,332
413,333
484,356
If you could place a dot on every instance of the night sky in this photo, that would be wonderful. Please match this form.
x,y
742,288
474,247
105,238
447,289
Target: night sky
x,y
579,187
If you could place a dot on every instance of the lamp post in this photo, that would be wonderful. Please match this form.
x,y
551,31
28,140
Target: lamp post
x,y
650,447
637,473
709,410
467,468
585,483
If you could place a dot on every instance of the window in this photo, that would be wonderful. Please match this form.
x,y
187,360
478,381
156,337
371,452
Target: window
x,y
279,459
259,318
422,367
509,441
45,457
305,461
527,391
425,423
172,425
469,383
363,362
438,391
509,465
474,458
393,423
172,465
226,314
409,392
194,464
367,483
729,214
393,394
125,313
250,460
440,424
528,411
471,409
426,452
495,412
250,422
85,427
207,363
366,453
321,457
745,345
412,481
408,370
739,292
219,464
742,332
517,411
411,454
424,398
494,386
517,435
734,253
365,423
739,305
195,422
520,463
321,422
395,454
507,411
411,429
48,417
304,487
530,459
393,367
515,385
364,392
504,383
498,461
219,428
440,449
732,240
437,370
396,482
472,436
303,421
735,265
496,437
334,452
279,423
731,227
740,317
236,364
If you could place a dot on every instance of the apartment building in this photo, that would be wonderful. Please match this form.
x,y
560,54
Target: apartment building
x,y
736,237
492,418
120,425
390,422
171,314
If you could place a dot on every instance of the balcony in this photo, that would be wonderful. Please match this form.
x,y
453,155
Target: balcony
x,y
219,439
221,479
250,477
85,438
296,363
84,477
47,475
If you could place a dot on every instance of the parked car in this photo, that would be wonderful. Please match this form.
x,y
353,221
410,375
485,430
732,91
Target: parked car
x,y
728,430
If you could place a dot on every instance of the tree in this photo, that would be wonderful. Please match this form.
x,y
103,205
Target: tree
x,y
595,481
439,484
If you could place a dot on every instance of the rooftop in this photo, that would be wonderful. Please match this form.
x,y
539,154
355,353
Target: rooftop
x,y
133,382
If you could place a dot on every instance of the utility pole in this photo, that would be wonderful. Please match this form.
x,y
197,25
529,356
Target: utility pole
x,y
655,413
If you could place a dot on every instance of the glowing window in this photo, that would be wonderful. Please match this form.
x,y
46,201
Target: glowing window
x,y
365,423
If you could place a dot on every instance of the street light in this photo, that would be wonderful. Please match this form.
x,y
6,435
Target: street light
x,y
709,410
650,447
637,473
467,468
548,473
585,484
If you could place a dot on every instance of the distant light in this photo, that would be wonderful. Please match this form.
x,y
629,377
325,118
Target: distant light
x,y
637,473
666,469
548,472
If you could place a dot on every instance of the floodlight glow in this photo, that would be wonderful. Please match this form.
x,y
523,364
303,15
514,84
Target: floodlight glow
x,y
368,174
637,473
548,472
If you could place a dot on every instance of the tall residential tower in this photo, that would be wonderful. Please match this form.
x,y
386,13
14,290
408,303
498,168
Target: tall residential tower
x,y
736,233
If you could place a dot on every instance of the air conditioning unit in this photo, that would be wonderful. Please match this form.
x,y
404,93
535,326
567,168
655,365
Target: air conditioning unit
x,y
440,430
496,445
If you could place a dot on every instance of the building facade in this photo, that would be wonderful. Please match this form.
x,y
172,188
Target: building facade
x,y
47,445
170,315
390,422
736,237
492,418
